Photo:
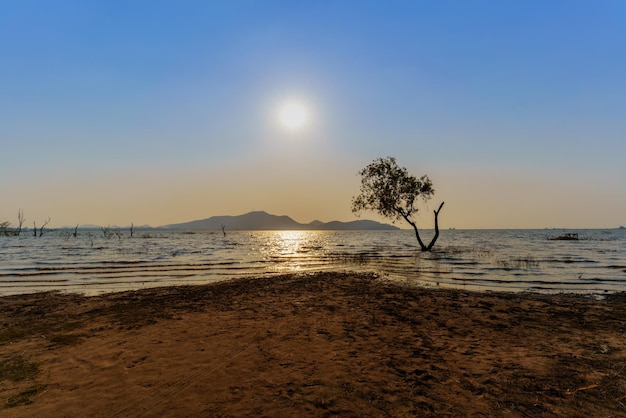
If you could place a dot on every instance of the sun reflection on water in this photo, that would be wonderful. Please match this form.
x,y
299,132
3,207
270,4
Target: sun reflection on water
x,y
288,243
290,248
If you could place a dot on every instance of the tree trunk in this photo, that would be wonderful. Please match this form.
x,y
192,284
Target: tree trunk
x,y
432,243
417,234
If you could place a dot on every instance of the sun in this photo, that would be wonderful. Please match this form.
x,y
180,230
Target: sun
x,y
293,115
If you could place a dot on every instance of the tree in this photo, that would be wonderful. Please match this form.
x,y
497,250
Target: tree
x,y
106,231
4,227
40,229
390,191
20,221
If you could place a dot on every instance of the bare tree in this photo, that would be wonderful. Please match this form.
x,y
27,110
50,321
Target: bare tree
x,y
42,227
20,221
106,231
75,231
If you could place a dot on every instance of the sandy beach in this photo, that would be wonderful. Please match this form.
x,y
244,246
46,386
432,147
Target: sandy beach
x,y
323,344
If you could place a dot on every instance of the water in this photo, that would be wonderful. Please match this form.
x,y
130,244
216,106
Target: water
x,y
506,260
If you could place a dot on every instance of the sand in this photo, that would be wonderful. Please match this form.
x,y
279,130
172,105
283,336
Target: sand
x,y
323,344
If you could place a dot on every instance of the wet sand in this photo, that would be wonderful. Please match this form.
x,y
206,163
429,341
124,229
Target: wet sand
x,y
324,344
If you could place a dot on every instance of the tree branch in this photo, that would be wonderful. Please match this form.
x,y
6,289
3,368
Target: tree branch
x,y
432,243
417,234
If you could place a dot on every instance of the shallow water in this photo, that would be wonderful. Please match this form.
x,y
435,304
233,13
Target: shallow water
x,y
509,260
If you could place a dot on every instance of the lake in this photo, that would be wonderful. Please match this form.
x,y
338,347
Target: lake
x,y
481,260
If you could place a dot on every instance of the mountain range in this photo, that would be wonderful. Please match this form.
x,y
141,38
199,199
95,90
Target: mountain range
x,y
263,221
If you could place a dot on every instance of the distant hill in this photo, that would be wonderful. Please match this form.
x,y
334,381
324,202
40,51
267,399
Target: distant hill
x,y
263,221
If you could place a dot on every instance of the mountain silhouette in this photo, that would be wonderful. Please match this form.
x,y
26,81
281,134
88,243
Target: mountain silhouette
x,y
263,221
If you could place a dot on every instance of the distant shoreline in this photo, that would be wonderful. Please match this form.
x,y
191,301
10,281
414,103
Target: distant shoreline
x,y
145,228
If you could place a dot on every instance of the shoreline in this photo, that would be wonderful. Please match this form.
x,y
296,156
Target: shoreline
x,y
312,344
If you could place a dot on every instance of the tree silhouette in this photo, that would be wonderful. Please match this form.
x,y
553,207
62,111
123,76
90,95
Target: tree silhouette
x,y
392,192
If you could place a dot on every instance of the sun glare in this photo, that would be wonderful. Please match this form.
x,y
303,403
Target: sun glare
x,y
293,115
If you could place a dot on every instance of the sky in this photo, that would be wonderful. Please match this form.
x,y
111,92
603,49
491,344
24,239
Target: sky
x,y
157,112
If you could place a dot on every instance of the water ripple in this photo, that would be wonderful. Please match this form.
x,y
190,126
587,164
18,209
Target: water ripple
x,y
473,260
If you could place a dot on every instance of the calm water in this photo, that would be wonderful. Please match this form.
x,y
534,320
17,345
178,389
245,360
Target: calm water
x,y
510,260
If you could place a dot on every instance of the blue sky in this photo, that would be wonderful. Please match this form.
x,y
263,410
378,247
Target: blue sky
x,y
156,112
